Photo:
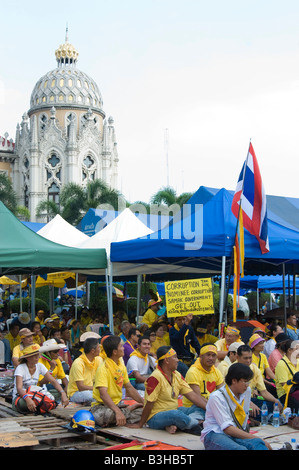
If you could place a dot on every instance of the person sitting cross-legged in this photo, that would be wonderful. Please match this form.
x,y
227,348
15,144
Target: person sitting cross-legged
x,y
163,387
227,414
108,407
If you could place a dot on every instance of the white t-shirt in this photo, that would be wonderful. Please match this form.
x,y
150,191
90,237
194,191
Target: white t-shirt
x,y
138,363
28,379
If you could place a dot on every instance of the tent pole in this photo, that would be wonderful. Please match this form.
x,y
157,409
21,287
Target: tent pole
x,y
110,313
21,303
284,296
76,298
222,290
139,282
33,279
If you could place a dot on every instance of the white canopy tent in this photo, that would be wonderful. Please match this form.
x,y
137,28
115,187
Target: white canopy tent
x,y
124,227
60,231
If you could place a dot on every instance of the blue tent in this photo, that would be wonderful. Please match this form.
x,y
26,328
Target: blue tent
x,y
205,235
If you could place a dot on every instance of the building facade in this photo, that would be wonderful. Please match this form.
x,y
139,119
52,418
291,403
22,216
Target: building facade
x,y
64,137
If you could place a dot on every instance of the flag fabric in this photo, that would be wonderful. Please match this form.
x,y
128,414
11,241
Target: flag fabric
x,y
251,195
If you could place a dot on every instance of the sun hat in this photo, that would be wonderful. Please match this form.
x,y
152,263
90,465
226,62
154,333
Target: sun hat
x,y
24,318
88,334
24,332
234,346
255,339
30,350
51,345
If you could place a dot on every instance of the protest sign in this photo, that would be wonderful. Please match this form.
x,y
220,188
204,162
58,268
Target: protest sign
x,y
189,296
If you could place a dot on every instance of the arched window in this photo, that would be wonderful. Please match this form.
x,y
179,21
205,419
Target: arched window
x,y
53,193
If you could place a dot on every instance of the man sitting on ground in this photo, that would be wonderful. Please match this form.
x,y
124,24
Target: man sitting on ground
x,y
182,339
108,407
203,377
163,388
131,344
227,414
82,372
140,364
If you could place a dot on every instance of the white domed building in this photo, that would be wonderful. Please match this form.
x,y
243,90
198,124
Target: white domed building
x,y
64,137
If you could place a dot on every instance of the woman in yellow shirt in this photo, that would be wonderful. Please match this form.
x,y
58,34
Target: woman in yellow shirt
x,y
50,359
284,372
256,343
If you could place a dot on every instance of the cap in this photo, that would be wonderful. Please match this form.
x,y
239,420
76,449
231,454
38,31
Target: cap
x,y
24,332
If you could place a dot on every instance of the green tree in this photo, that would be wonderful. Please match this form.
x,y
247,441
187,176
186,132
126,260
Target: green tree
x,y
7,194
75,201
168,196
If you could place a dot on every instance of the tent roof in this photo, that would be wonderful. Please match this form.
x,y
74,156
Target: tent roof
x,y
124,227
24,251
60,231
180,243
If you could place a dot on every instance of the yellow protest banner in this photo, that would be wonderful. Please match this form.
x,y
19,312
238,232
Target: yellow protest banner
x,y
189,296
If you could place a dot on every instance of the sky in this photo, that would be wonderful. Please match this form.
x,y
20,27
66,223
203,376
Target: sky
x,y
189,84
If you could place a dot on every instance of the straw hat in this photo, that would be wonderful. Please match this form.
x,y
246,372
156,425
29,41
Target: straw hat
x,y
24,318
88,334
24,332
50,345
30,350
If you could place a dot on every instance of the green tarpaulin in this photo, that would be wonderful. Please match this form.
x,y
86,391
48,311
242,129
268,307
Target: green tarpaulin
x,y
24,251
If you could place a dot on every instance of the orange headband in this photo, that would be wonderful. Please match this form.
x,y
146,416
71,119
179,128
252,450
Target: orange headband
x,y
169,353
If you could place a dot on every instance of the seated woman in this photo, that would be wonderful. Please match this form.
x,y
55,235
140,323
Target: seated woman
x,y
284,372
50,359
28,373
256,343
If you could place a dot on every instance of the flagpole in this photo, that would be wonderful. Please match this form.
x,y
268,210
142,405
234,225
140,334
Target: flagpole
x,y
237,225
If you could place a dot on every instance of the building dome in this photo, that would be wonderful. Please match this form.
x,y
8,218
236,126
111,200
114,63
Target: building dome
x,y
66,86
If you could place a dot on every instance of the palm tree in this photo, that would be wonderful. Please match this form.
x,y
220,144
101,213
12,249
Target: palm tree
x,y
7,194
75,201
167,196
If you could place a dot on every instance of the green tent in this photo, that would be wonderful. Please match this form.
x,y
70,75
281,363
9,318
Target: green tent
x,y
23,251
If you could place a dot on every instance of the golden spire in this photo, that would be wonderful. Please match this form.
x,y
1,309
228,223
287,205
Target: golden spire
x,y
66,53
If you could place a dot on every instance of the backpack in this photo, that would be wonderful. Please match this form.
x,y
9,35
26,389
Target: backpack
x,y
43,400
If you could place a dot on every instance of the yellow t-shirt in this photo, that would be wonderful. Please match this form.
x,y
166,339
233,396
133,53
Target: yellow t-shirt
x,y
257,381
208,381
82,369
157,344
17,350
207,338
222,346
283,374
149,317
112,377
58,372
261,362
162,393
13,342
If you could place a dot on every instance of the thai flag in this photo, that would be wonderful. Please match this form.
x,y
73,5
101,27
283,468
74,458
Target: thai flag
x,y
250,191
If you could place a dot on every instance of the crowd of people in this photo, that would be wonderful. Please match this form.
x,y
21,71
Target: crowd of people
x,y
170,374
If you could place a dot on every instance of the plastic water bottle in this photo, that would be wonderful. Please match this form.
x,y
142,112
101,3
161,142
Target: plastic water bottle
x,y
276,416
287,414
294,444
264,415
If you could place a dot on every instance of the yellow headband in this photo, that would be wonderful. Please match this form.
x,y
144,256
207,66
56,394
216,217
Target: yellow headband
x,y
208,348
169,353
232,330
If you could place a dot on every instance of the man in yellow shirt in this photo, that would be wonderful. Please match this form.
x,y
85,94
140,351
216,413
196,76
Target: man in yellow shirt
x,y
257,384
285,370
82,372
231,335
203,377
26,337
151,315
13,336
163,387
108,407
